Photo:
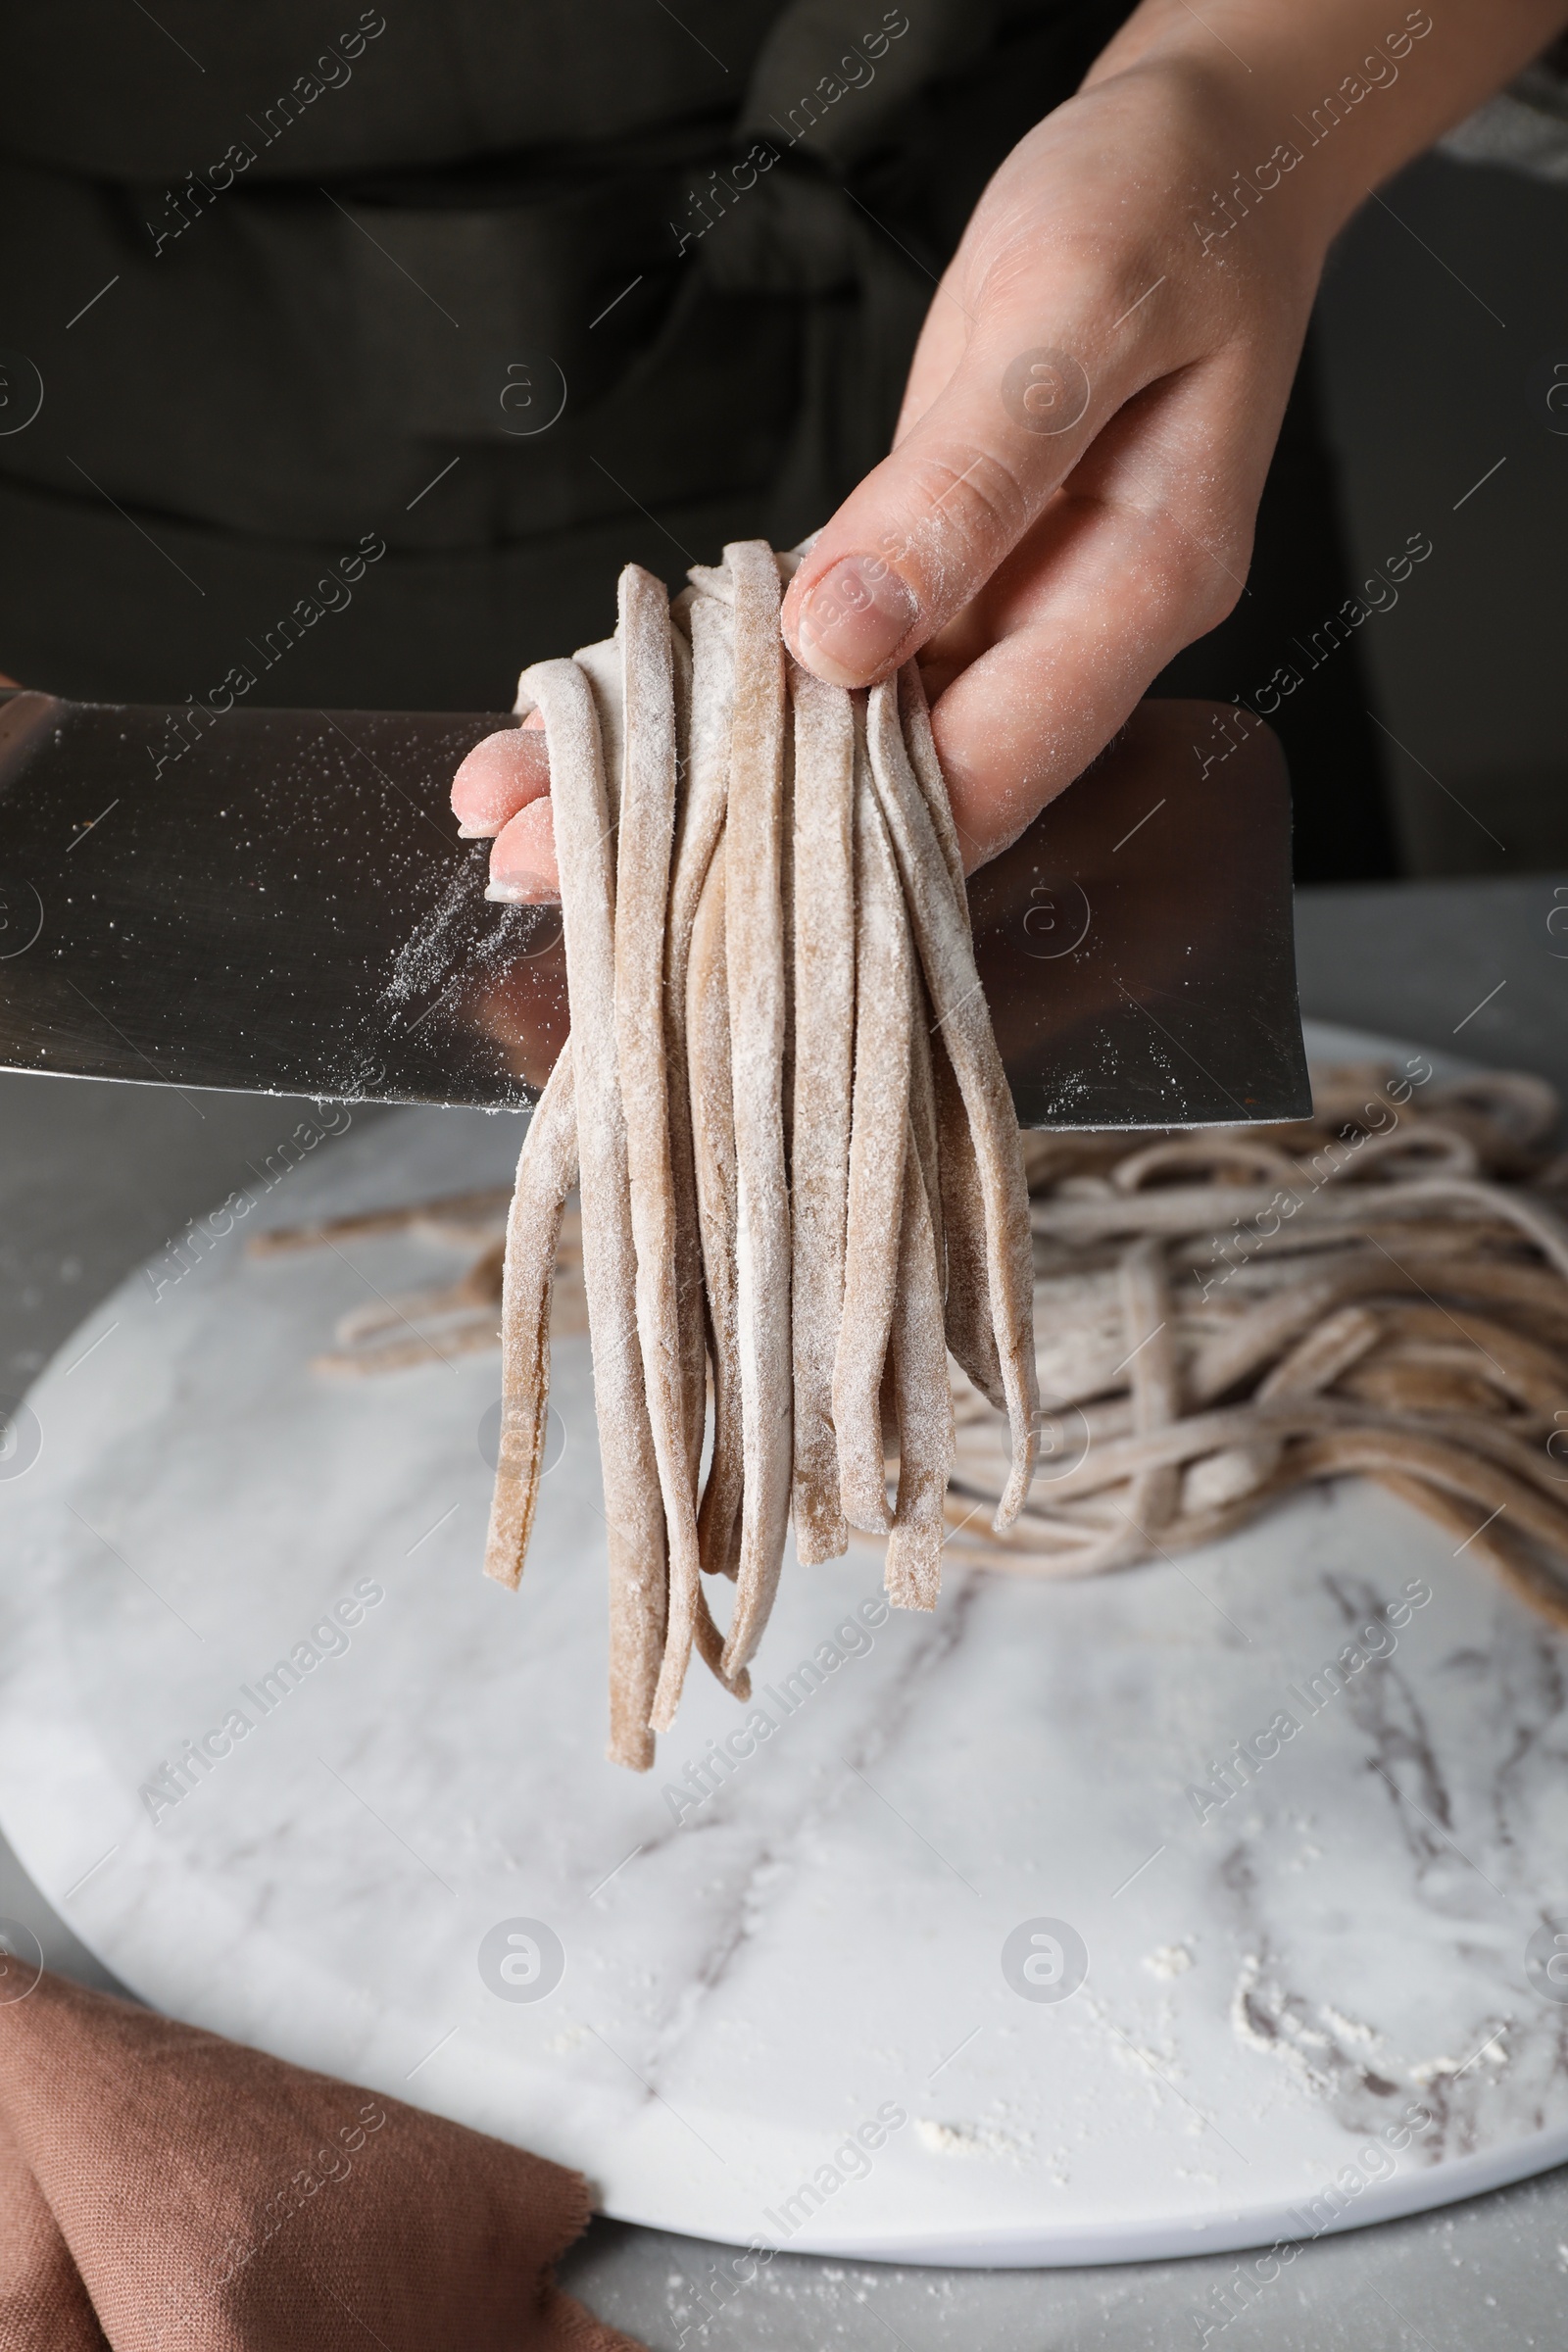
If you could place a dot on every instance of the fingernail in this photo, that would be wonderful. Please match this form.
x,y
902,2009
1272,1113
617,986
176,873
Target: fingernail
x,y
522,893
854,619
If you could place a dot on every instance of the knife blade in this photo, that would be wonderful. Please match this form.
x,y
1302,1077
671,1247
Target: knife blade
x,y
277,902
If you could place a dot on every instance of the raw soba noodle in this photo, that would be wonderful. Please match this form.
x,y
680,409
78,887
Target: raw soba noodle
x,y
771,1189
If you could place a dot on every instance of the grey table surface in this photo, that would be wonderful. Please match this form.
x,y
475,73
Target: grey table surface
x,y
94,1178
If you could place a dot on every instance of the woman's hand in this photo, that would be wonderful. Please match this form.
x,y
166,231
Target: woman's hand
x,y
1091,414
1098,388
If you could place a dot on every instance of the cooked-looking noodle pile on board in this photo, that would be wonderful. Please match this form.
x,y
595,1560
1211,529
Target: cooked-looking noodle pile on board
x,y
1225,1317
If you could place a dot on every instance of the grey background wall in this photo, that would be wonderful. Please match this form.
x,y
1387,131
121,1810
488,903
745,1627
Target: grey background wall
x,y
1445,308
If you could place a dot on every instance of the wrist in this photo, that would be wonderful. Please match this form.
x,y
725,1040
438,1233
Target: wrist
x,y
1228,159
1332,99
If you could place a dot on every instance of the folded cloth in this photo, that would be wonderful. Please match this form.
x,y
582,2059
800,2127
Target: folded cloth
x,y
163,2188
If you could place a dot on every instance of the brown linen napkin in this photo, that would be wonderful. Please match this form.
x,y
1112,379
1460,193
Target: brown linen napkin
x,y
162,2188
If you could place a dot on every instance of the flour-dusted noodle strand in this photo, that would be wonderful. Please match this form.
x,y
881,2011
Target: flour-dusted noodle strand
x,y
754,853
645,849
547,1170
924,1403
970,1332
925,1119
633,1509
879,1132
915,717
710,686
823,1072
718,1524
703,671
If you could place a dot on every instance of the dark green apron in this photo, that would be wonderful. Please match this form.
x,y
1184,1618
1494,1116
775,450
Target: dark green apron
x,y
483,216
371,345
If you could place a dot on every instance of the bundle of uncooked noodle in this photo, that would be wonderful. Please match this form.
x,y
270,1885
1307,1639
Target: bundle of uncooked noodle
x,y
800,1170
1224,1318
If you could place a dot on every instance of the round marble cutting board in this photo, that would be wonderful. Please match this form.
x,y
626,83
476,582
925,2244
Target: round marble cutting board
x,y
953,1966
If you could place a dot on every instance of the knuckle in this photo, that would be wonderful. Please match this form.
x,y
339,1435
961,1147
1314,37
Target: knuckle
x,y
973,504
1196,563
1214,600
1210,575
1133,290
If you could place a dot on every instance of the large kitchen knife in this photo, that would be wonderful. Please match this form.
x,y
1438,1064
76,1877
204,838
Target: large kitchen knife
x,y
278,901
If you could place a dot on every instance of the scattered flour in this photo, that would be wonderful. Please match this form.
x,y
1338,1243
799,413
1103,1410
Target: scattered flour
x,y
968,2139
461,931
1431,2070
1350,2028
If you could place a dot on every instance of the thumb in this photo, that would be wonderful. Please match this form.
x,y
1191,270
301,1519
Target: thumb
x,y
926,531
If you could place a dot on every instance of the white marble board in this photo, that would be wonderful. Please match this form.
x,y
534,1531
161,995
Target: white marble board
x,y
724,1993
